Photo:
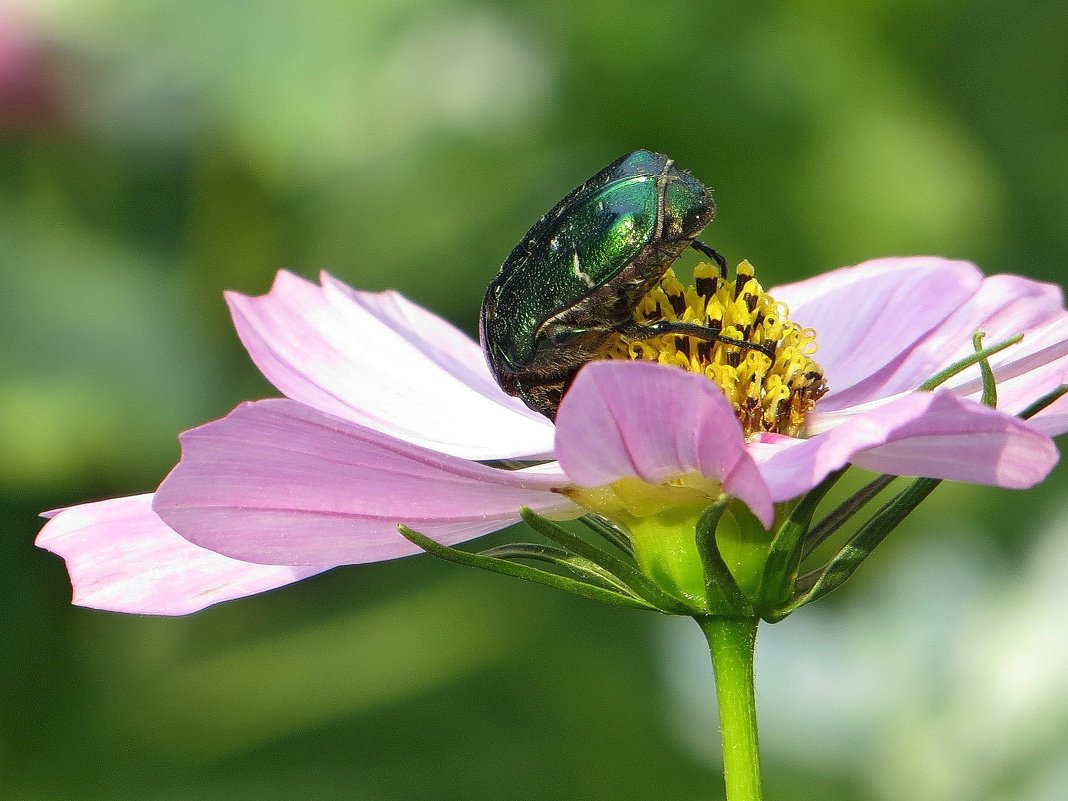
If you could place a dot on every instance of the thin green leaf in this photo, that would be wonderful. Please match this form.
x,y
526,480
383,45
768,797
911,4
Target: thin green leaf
x,y
1045,401
724,595
815,585
990,386
609,532
958,367
627,573
521,571
787,548
844,512
528,550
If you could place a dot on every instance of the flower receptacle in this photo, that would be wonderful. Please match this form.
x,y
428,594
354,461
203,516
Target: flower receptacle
x,y
662,522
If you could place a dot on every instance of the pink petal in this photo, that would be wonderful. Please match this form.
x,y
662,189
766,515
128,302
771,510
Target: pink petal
x,y
277,482
936,435
867,316
123,558
383,362
439,340
657,423
1004,306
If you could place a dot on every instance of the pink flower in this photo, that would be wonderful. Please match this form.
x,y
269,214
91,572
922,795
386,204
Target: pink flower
x,y
390,412
29,97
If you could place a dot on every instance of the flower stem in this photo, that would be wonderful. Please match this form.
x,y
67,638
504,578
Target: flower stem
x,y
731,642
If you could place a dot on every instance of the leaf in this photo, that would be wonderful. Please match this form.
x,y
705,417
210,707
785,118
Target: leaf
x,y
843,512
990,386
609,532
977,357
1046,400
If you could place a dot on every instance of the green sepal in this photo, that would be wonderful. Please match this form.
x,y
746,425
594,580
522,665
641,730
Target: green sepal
x,y
818,583
787,549
633,578
525,572
583,568
724,595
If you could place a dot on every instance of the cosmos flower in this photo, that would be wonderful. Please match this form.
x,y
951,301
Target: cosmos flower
x,y
391,416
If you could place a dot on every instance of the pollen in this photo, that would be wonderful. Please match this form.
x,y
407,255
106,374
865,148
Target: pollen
x,y
771,380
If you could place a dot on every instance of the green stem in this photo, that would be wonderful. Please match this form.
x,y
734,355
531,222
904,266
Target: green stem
x,y
732,642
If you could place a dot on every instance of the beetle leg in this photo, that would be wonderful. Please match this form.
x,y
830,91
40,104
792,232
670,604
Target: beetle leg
x,y
713,254
638,331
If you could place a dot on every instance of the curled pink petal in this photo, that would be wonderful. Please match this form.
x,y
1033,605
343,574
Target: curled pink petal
x,y
436,338
121,557
935,435
277,482
866,316
382,362
654,422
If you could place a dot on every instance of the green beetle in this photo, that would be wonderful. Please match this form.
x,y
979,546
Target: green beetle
x,y
577,276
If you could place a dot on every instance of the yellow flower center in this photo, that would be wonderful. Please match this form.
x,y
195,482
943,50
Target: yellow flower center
x,y
768,394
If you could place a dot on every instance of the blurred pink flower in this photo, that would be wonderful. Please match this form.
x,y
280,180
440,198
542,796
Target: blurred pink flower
x,y
390,412
28,92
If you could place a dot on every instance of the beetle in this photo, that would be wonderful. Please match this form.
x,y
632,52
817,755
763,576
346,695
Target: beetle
x,y
577,276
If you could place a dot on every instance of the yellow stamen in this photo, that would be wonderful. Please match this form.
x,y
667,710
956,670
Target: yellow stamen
x,y
768,394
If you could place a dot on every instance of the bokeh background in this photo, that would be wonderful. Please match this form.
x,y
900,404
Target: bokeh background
x,y
155,153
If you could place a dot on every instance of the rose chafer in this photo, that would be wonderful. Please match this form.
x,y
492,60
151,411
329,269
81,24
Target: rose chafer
x,y
575,279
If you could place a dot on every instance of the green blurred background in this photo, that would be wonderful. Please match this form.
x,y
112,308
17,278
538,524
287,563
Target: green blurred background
x,y
153,154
